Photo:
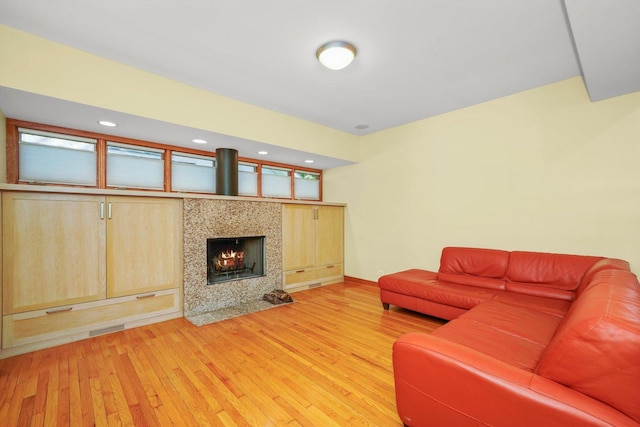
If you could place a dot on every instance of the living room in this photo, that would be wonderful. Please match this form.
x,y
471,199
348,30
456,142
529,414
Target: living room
x,y
546,169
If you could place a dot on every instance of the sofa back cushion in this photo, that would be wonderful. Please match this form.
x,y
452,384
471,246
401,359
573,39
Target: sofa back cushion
x,y
476,267
596,349
544,270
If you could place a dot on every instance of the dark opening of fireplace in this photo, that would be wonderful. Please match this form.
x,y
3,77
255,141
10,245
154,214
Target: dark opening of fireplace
x,y
235,258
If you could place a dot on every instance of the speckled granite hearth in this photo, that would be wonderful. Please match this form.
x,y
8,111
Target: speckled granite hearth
x,y
206,218
230,312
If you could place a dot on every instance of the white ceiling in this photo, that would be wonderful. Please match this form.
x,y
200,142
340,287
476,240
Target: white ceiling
x,y
416,58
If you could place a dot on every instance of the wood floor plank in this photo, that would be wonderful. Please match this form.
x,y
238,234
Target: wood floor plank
x,y
324,360
97,401
26,411
52,396
120,399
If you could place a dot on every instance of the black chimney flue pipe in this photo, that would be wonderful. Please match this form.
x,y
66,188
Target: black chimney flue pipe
x,y
226,171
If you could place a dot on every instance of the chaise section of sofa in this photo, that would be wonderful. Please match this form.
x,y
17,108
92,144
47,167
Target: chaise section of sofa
x,y
469,276
552,350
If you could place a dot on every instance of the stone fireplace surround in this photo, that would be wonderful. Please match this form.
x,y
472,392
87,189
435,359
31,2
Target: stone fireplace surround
x,y
207,218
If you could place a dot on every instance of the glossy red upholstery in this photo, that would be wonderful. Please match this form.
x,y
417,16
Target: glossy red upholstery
x,y
558,350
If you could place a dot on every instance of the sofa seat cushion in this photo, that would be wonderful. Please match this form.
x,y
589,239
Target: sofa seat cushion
x,y
416,283
516,335
556,307
391,282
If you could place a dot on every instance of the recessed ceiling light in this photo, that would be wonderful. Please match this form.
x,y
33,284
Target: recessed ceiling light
x,y
107,123
199,141
336,55
362,126
309,161
263,152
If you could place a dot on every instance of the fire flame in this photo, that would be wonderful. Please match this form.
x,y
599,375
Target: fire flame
x,y
230,260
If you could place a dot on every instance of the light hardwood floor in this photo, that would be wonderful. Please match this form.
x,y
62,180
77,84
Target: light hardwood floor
x,y
324,360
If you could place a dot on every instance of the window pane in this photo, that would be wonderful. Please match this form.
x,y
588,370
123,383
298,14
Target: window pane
x,y
307,190
247,167
58,142
193,160
307,185
39,163
247,183
55,158
133,167
276,182
193,174
270,170
134,152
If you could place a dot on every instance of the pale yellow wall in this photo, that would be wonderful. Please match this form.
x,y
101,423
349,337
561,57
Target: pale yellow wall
x,y
40,66
543,170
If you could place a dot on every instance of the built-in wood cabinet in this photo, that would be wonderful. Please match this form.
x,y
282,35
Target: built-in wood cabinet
x,y
329,235
298,236
79,265
313,245
148,264
54,251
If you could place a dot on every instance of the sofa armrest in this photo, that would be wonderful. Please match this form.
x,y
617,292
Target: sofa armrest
x,y
439,382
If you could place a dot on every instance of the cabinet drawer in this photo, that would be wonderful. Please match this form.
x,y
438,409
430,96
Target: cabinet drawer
x,y
89,318
312,275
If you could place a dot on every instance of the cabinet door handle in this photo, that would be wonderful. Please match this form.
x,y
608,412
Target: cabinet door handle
x,y
299,271
59,310
146,296
101,210
109,211
331,266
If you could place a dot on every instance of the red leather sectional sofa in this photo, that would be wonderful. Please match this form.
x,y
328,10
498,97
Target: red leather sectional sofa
x,y
534,339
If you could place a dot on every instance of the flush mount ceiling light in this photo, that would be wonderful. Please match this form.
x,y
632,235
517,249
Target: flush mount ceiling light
x,y
336,55
107,123
199,141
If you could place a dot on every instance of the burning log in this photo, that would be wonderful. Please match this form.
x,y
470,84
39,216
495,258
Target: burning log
x,y
229,260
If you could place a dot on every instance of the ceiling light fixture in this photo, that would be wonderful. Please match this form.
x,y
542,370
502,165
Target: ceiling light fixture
x,y
199,141
336,55
264,153
107,123
309,161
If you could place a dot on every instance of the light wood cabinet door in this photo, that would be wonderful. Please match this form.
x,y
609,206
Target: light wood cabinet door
x,y
144,245
298,236
54,250
329,235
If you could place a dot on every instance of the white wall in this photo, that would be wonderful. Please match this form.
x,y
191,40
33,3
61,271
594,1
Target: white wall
x,y
543,170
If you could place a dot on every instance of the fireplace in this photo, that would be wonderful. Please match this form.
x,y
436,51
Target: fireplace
x,y
235,258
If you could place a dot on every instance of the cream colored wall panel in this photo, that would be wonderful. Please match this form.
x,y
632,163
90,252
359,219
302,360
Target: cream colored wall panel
x,y
542,170
54,250
88,79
